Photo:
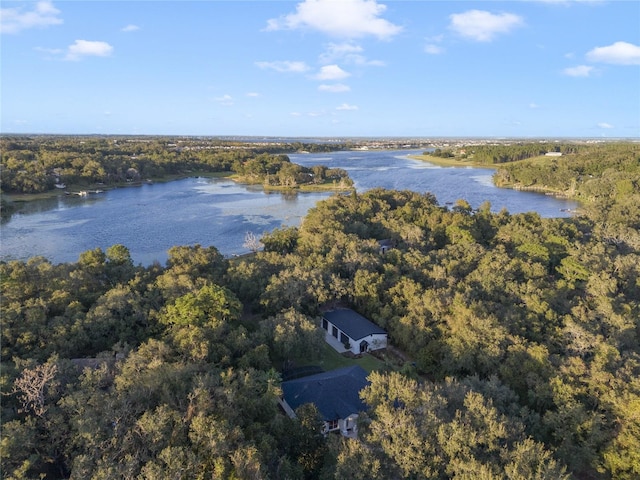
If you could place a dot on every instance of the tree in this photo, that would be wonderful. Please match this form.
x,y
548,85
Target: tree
x,y
294,335
354,460
213,306
252,242
281,240
31,386
300,288
119,267
18,455
311,445
449,430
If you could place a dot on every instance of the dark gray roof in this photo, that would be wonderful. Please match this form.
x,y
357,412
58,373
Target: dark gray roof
x,y
334,393
352,323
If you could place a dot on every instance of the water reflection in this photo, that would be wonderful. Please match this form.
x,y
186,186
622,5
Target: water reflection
x,y
152,218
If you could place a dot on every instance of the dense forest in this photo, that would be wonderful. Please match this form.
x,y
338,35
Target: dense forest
x,y
519,340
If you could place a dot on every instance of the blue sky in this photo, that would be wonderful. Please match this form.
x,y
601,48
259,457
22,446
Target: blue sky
x,y
330,68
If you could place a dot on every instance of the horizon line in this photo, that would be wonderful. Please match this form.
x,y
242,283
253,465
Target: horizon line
x,y
334,137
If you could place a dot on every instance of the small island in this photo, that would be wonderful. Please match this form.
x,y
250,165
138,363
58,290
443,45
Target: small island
x,y
276,172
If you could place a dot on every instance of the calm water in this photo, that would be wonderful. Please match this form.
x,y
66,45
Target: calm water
x,y
152,218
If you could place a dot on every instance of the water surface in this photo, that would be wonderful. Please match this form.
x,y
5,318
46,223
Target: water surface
x,y
152,218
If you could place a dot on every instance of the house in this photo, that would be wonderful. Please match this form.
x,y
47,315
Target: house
x,y
336,395
354,331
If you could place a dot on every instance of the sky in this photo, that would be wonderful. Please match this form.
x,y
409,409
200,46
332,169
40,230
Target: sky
x,y
322,68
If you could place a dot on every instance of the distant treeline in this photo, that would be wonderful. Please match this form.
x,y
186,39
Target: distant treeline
x,y
492,154
38,164
506,153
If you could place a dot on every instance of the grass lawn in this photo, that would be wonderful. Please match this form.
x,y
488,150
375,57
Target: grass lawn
x,y
451,162
331,360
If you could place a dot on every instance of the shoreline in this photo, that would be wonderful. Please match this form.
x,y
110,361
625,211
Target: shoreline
x,y
73,189
451,162
305,187
12,200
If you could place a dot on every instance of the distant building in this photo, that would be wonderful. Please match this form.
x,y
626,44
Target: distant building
x,y
553,154
355,332
336,395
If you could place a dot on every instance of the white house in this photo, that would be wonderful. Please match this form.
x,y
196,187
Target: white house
x,y
354,331
336,395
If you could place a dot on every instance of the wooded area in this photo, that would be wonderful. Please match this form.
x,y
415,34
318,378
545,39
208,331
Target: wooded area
x,y
38,164
522,335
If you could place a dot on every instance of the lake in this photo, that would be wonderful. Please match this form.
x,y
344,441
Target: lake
x,y
150,219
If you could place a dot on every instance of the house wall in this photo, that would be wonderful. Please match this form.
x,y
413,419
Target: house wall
x,y
375,341
348,427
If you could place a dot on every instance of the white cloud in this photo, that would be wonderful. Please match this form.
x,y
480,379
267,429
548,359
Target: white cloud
x,y
331,72
52,51
14,20
334,88
371,63
605,125
483,26
348,53
130,28
346,106
618,53
338,51
433,49
284,66
578,71
252,94
88,48
307,114
534,105
432,46
344,18
226,100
